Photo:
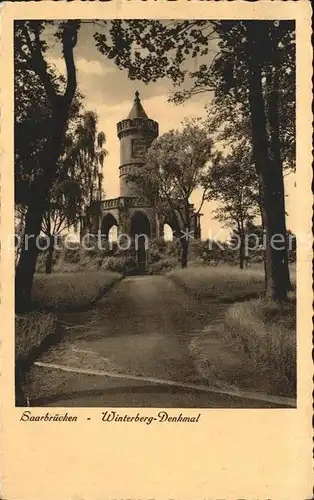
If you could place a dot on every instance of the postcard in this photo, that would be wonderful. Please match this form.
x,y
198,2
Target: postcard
x,y
156,250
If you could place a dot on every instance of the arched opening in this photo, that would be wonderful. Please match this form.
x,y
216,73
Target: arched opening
x,y
140,232
109,228
171,230
140,225
113,234
168,232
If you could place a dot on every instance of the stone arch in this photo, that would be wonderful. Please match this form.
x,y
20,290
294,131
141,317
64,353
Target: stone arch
x,y
107,223
141,230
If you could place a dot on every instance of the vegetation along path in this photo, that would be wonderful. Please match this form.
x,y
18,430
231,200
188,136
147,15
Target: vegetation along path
x,y
131,350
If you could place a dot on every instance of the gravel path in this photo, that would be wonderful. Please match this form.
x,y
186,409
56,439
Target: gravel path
x,y
142,328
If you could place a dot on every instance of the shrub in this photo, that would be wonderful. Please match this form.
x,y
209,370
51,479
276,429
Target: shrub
x,y
265,333
119,264
162,266
72,255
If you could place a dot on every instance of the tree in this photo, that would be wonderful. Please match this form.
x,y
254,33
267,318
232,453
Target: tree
x,y
252,68
32,127
236,72
269,170
32,122
177,164
79,180
274,104
232,112
234,185
29,52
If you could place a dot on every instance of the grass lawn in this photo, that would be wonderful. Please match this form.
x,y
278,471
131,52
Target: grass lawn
x,y
58,292
222,283
250,343
61,291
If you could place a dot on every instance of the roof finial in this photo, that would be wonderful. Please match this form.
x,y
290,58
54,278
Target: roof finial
x,y
137,95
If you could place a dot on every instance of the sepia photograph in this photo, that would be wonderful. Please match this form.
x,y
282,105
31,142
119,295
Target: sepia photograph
x,y
155,213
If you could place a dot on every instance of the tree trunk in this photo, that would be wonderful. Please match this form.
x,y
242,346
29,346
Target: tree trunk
x,y
241,252
273,120
184,252
49,258
270,189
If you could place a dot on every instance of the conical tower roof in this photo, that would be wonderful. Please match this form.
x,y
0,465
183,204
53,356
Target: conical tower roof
x,y
137,110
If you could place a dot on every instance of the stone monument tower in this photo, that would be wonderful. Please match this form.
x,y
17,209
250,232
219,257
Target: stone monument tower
x,y
136,134
131,213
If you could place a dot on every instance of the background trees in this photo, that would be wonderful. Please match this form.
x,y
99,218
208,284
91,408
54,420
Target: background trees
x,y
233,183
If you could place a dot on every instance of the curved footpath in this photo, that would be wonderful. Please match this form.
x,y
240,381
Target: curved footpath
x,y
131,351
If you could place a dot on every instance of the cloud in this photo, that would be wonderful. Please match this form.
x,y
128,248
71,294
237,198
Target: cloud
x,y
85,66
92,67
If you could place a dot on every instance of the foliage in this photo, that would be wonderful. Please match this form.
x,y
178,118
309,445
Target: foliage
x,y
33,106
119,264
79,181
143,47
163,265
175,167
234,184
154,49
78,177
32,127
72,255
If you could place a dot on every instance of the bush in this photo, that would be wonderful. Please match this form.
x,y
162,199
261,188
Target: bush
x,y
30,331
265,333
119,264
72,255
162,266
72,290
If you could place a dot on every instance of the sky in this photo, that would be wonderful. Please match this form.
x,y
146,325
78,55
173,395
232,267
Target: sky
x,y
110,93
